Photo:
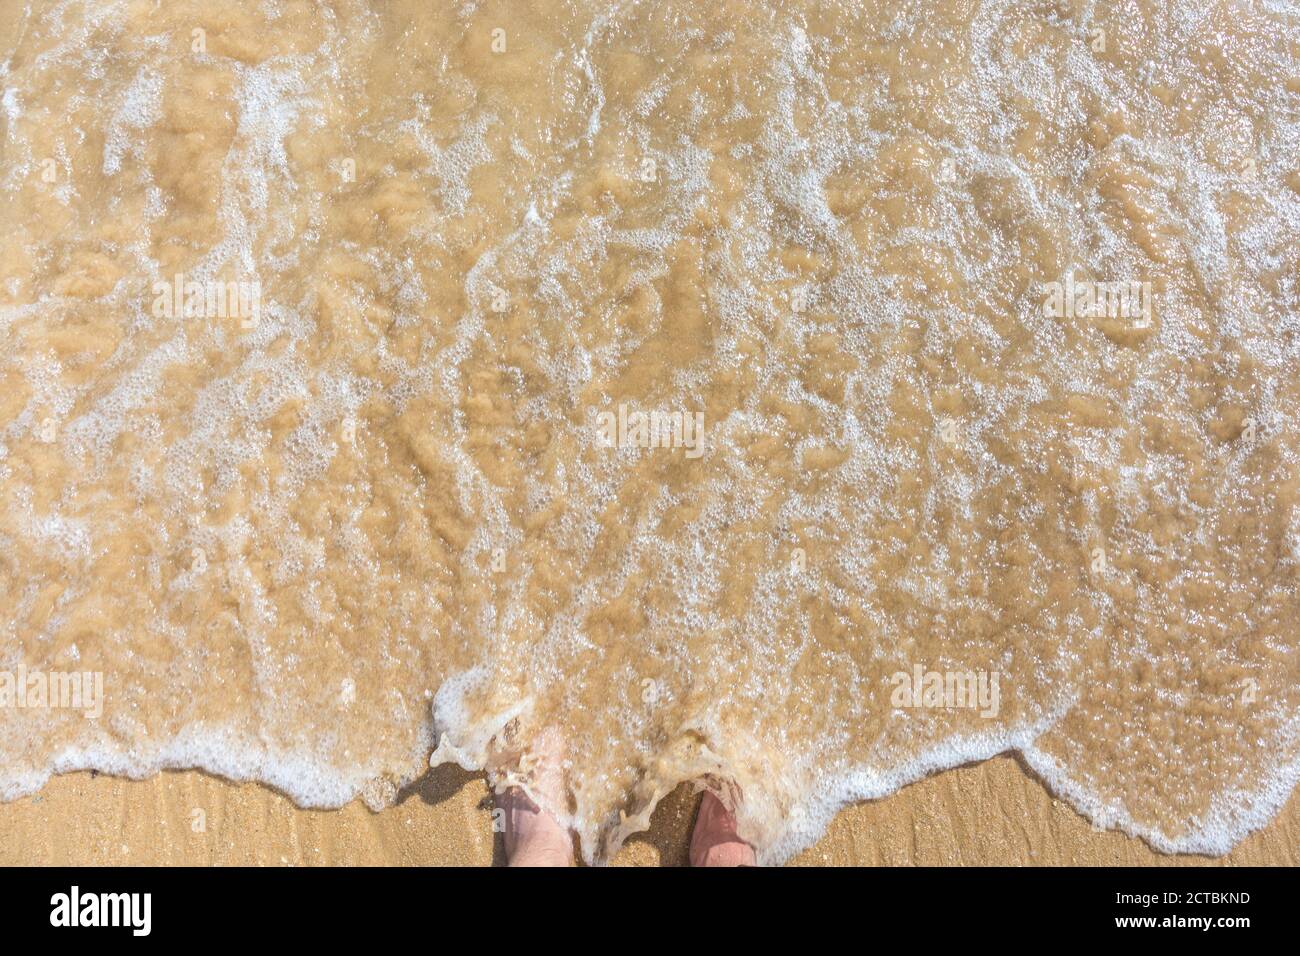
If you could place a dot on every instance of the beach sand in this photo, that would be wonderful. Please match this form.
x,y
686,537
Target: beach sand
x,y
349,350
992,813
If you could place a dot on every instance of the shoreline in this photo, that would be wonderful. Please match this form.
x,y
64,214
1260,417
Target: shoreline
x,y
988,813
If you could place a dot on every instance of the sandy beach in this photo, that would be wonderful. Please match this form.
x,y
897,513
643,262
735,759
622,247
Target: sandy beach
x,y
619,394
991,813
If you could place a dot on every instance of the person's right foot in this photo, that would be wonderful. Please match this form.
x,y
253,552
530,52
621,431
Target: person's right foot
x,y
714,841
532,836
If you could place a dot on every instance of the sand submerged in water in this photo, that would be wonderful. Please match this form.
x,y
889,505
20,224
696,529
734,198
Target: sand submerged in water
x,y
799,400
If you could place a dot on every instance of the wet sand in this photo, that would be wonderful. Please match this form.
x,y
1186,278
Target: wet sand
x,y
349,351
992,813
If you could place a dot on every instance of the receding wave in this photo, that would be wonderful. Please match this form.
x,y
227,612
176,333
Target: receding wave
x,y
795,398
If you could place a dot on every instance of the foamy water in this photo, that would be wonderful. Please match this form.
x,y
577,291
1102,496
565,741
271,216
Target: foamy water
x,y
797,399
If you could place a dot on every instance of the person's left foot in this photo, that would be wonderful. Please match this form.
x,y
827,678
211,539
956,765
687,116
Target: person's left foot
x,y
532,836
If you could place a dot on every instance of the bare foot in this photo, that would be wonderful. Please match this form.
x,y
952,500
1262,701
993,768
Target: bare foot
x,y
715,842
532,836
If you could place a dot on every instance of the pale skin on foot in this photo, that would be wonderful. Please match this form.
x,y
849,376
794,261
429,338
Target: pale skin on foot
x,y
533,837
714,841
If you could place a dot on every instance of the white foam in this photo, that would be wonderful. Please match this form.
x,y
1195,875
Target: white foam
x,y
784,206
140,108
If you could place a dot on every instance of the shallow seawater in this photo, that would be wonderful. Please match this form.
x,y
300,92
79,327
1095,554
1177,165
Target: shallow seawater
x,y
799,398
